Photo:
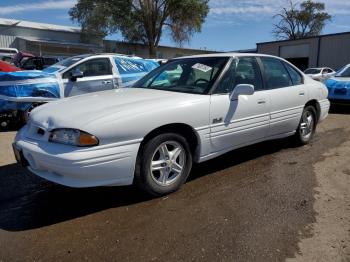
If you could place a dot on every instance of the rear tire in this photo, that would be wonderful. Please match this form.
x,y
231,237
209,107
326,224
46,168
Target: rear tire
x,y
307,126
163,164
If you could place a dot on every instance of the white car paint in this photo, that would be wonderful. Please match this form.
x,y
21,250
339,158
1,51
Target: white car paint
x,y
121,119
324,73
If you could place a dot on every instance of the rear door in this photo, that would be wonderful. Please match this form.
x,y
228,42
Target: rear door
x,y
97,76
245,120
288,95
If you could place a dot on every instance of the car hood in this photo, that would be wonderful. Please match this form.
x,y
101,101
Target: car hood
x,y
90,109
338,82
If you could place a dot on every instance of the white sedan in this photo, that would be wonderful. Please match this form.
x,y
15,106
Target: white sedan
x,y
320,74
189,110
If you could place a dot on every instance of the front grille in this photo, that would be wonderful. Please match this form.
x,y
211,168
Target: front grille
x,y
340,91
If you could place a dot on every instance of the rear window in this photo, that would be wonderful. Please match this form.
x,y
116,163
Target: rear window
x,y
8,51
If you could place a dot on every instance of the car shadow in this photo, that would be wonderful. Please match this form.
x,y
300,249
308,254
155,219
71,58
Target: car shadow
x,y
29,202
340,109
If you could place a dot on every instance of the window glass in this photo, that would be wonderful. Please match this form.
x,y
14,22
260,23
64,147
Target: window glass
x,y
244,70
49,60
188,75
276,74
94,67
127,65
297,79
32,63
312,71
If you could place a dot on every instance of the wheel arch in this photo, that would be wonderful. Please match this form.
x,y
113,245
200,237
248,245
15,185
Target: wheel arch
x,y
188,132
314,103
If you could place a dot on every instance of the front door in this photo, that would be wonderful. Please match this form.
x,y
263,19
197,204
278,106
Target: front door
x,y
97,76
243,121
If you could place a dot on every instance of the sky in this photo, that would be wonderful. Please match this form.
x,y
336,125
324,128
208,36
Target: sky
x,y
230,25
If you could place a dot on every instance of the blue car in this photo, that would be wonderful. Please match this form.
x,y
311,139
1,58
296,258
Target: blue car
x,y
339,86
21,91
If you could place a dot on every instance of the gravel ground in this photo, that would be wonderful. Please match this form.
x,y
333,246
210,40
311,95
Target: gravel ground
x,y
267,202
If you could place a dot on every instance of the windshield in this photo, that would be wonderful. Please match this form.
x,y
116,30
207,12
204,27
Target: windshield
x,y
63,64
344,72
312,71
187,75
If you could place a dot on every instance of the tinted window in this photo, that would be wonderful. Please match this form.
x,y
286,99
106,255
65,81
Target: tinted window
x,y
8,51
188,75
32,63
94,67
276,74
312,71
243,70
344,73
50,61
297,79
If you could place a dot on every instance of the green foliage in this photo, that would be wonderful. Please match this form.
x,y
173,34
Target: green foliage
x,y
141,20
307,21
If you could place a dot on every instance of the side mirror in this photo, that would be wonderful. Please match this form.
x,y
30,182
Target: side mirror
x,y
241,89
76,74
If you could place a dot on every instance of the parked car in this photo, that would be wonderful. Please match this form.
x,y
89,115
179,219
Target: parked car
x,y
6,67
339,86
7,54
17,59
28,61
152,133
23,91
320,74
38,62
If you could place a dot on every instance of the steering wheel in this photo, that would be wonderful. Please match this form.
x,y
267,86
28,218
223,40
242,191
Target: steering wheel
x,y
201,79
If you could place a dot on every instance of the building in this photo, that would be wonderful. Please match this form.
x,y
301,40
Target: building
x,y
62,41
45,39
331,50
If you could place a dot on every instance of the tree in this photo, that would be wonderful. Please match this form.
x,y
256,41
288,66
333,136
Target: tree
x,y
141,20
308,20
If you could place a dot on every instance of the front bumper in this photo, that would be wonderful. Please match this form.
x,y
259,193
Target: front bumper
x,y
324,109
79,167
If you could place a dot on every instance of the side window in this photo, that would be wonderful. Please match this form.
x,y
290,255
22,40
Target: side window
x,y
297,79
243,70
133,66
276,74
94,67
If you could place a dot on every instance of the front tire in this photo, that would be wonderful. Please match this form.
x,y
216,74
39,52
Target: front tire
x,y
163,164
307,126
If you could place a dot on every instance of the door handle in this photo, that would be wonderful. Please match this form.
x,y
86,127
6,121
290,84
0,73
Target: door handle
x,y
106,82
301,93
261,101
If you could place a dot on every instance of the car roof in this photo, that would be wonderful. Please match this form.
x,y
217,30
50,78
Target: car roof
x,y
229,54
107,54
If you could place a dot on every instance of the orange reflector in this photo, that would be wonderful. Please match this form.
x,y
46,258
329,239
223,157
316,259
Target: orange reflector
x,y
87,140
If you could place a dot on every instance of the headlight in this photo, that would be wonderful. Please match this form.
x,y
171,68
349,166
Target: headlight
x,y
73,137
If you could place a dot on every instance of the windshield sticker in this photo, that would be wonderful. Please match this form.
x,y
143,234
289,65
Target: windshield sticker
x,y
201,67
